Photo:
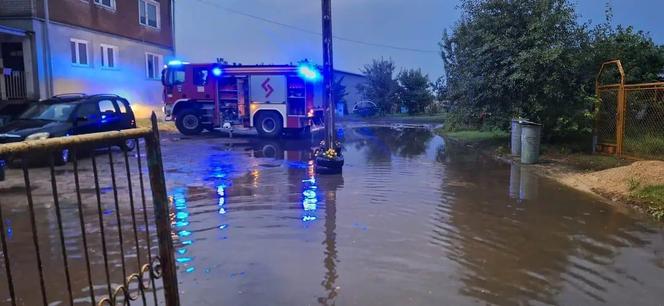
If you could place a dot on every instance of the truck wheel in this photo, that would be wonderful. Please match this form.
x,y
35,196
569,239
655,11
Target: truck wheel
x,y
269,125
188,122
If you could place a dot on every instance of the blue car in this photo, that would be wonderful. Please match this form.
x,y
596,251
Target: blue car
x,y
365,108
73,114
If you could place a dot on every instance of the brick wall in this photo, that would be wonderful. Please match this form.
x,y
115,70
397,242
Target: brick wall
x,y
122,21
16,8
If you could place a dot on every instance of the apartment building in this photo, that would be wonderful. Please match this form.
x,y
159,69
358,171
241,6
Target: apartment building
x,y
50,47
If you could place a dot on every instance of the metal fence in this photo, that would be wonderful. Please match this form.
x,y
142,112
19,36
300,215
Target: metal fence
x,y
91,231
630,117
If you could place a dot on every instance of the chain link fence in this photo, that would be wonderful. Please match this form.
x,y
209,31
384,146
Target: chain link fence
x,y
644,121
630,118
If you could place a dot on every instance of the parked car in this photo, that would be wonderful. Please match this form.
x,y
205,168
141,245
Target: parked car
x,y
9,112
365,108
73,114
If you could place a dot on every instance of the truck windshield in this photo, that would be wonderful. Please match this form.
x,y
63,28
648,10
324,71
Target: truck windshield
x,y
174,76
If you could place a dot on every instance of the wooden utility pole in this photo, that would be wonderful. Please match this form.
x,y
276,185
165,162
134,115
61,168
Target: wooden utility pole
x,y
328,74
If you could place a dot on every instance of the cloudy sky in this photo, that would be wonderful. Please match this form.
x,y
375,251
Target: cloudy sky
x,y
283,31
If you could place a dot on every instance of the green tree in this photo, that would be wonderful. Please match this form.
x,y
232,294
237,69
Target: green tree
x,y
531,58
380,86
413,91
516,58
642,59
440,89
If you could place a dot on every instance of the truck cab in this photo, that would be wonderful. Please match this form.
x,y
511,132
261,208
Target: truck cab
x,y
270,98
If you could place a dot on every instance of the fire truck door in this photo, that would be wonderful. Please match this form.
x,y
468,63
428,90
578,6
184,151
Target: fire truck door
x,y
268,89
242,105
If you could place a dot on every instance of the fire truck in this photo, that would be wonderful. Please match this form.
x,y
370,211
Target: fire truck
x,y
273,99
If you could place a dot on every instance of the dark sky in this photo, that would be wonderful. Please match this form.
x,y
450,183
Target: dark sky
x,y
207,29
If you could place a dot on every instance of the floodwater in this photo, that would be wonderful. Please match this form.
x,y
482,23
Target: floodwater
x,y
411,221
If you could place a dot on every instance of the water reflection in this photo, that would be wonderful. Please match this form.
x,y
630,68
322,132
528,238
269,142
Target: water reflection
x,y
413,220
512,253
524,182
329,185
381,143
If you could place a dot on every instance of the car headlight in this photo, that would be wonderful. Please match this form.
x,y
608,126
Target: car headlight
x,y
38,136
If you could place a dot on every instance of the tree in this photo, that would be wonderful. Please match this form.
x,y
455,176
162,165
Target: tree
x,y
380,86
516,58
413,91
531,58
642,59
440,89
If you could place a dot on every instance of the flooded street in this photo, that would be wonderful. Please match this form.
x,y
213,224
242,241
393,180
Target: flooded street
x,y
411,221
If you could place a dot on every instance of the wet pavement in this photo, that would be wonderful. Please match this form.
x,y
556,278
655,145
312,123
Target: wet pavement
x,y
411,221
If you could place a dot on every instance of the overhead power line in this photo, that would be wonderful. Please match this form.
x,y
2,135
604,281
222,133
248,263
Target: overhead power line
x,y
296,28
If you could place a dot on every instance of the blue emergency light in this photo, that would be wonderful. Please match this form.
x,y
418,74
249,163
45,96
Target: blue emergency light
x,y
308,72
216,71
175,63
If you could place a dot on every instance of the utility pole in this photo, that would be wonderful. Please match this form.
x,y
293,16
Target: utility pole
x,y
329,160
328,74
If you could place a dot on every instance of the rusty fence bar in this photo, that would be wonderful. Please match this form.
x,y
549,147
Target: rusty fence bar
x,y
78,227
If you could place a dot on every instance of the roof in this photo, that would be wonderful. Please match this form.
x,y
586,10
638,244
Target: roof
x,y
349,73
11,31
75,97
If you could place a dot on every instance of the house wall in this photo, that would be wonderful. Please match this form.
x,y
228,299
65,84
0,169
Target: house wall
x,y
129,79
123,21
351,81
83,19
34,55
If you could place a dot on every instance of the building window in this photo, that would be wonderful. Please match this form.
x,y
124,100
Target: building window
x,y
109,56
148,13
79,52
152,66
109,4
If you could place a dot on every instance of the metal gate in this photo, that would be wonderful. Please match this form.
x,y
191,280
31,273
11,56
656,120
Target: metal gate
x,y
91,231
609,121
630,117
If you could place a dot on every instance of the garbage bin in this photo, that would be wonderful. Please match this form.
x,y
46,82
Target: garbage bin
x,y
515,144
530,142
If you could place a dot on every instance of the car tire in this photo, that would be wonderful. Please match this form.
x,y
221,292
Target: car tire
x,y
128,145
269,124
188,122
61,157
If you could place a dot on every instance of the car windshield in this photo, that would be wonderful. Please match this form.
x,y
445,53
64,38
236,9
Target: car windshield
x,y
50,112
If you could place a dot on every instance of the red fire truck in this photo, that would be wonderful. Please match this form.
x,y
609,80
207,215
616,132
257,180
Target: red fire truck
x,y
270,98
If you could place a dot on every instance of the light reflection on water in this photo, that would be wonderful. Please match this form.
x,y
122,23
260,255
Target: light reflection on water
x,y
412,220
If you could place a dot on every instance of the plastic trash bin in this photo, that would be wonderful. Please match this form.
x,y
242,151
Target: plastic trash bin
x,y
530,142
515,143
